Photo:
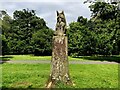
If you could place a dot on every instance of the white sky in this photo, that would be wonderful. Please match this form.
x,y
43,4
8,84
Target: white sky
x,y
47,8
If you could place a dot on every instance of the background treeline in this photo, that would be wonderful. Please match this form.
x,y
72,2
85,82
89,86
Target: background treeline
x,y
27,33
98,36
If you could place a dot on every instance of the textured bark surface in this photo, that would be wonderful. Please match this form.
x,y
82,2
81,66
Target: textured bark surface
x,y
59,62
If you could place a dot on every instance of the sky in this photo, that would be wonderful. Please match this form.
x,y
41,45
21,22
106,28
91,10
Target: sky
x,y
47,9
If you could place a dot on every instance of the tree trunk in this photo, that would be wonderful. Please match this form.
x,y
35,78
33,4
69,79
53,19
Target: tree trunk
x,y
59,62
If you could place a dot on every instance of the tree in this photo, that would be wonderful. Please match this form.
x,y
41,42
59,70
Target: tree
x,y
42,42
82,20
103,11
25,23
4,47
97,36
26,33
110,14
5,25
83,39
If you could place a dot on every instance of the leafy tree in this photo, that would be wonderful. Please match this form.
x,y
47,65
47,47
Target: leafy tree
x,y
26,33
42,42
25,23
110,16
97,36
82,20
74,38
103,11
80,39
5,49
5,25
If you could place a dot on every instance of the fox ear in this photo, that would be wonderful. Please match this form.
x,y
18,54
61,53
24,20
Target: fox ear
x,y
62,12
57,13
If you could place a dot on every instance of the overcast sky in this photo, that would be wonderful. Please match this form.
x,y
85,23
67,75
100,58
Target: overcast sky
x,y
47,8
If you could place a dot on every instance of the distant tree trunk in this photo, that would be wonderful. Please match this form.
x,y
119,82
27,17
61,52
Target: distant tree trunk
x,y
59,62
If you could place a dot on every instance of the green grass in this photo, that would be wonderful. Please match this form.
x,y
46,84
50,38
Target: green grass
x,y
115,58
36,75
31,57
25,57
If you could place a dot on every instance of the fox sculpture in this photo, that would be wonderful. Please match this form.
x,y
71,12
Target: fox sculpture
x,y
61,26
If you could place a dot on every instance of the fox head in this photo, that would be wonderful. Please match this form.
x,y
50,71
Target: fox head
x,y
61,17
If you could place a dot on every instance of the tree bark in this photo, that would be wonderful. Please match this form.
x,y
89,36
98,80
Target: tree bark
x,y
59,62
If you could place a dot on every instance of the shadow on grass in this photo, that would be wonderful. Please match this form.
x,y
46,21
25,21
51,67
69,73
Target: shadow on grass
x,y
5,88
4,59
115,58
63,88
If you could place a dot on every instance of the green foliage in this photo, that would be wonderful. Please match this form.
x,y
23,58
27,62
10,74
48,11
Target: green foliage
x,y
21,31
24,25
103,10
98,36
4,44
27,33
82,20
42,42
5,27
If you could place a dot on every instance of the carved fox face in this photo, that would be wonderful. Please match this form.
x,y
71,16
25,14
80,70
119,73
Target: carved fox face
x,y
60,17
61,24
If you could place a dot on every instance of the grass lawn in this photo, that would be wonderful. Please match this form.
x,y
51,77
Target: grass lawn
x,y
36,75
115,58
25,57
32,57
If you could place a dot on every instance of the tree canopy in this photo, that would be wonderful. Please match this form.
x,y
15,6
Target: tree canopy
x,y
22,30
98,36
27,33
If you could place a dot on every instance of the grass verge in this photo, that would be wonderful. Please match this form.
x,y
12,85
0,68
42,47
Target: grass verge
x,y
36,75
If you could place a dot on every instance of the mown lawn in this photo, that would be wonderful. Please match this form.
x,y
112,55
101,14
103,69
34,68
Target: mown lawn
x,y
115,58
25,57
36,75
32,57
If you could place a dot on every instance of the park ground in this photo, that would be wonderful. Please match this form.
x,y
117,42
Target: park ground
x,y
28,76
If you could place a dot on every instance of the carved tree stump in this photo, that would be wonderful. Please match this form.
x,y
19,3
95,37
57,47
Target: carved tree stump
x,y
59,62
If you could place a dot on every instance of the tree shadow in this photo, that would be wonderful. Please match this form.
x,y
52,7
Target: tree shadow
x,y
4,59
115,58
29,88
